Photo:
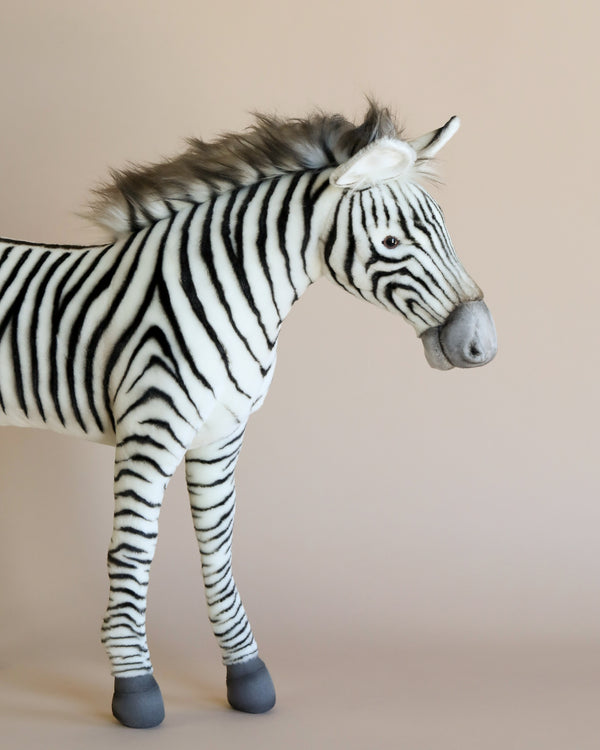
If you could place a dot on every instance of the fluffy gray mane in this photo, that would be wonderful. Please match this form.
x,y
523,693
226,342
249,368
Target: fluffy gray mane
x,y
140,196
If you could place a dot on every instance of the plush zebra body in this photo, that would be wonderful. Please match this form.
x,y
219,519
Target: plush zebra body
x,y
80,327
163,343
159,343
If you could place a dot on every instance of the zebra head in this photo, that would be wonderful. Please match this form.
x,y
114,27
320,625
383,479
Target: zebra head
x,y
388,244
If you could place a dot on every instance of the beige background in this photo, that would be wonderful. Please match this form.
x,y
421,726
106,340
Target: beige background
x,y
418,551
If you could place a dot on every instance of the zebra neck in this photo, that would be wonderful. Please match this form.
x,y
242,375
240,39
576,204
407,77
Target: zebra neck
x,y
261,244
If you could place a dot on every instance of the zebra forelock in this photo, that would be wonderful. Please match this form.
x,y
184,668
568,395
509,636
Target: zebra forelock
x,y
272,146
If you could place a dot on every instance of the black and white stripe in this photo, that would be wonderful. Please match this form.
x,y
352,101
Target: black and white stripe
x,y
163,343
421,278
161,339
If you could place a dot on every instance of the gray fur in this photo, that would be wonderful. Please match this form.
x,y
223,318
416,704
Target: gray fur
x,y
139,196
466,339
468,336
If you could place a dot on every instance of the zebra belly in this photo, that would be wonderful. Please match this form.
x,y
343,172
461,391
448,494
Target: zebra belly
x,y
22,405
16,418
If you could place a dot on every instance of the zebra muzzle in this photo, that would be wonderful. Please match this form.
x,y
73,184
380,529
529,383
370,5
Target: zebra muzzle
x,y
466,339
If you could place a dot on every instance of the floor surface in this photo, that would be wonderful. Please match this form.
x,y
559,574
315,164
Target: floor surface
x,y
424,696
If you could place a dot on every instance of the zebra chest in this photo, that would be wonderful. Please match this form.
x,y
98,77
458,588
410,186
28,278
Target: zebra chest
x,y
202,403
220,423
229,413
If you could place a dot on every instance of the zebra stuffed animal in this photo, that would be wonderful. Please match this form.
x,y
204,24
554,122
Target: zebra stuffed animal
x,y
162,343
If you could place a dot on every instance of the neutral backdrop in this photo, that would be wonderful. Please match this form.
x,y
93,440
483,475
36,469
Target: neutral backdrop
x,y
417,550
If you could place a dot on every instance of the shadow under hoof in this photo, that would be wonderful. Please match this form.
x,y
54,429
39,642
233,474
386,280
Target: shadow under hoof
x,y
137,702
249,687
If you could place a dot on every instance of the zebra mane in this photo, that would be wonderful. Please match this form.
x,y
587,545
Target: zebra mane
x,y
139,196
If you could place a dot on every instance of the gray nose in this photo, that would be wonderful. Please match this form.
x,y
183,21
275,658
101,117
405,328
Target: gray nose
x,y
468,337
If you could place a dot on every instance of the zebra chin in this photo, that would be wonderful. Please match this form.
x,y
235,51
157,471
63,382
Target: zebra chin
x,y
466,339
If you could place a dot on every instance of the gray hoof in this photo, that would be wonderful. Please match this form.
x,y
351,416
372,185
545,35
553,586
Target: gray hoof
x,y
249,687
137,702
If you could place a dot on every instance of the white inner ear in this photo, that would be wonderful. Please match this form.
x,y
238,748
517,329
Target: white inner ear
x,y
385,159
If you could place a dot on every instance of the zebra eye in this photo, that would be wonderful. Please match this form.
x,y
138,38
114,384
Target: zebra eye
x,y
390,242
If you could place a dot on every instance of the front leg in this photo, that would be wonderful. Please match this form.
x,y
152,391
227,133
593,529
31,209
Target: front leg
x,y
210,480
143,467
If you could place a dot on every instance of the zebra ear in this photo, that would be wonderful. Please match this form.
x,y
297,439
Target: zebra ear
x,y
384,159
429,144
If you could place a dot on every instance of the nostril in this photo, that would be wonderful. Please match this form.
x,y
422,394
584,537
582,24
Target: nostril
x,y
474,350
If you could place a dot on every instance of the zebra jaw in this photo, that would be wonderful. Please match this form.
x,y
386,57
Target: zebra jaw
x,y
466,339
434,354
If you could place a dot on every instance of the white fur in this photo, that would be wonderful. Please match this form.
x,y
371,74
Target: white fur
x,y
428,145
386,159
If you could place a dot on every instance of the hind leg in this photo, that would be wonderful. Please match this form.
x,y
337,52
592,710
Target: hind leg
x,y
210,479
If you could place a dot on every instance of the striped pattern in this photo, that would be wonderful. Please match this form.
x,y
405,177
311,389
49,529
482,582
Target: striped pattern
x,y
421,278
163,343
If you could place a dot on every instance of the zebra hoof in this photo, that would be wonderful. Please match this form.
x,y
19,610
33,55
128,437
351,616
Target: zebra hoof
x,y
249,687
137,702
